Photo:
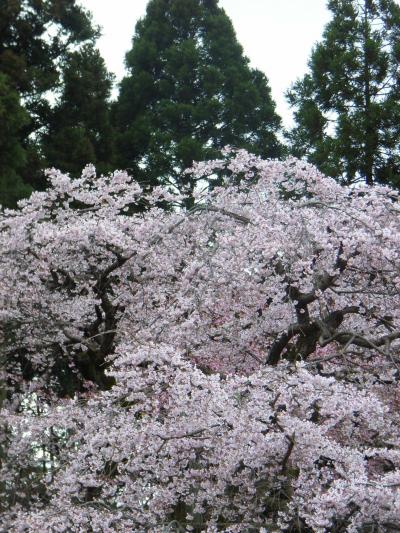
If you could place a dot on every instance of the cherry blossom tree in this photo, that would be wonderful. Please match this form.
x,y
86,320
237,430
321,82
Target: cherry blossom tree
x,y
231,368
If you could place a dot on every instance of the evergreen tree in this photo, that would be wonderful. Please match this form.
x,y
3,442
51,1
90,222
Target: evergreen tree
x,y
12,154
347,107
189,92
35,37
80,130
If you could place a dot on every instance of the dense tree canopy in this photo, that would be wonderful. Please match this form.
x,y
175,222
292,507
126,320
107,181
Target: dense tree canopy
x,y
189,92
229,368
347,107
12,154
35,37
79,129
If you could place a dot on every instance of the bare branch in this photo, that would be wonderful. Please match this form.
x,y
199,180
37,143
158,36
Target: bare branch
x,y
231,214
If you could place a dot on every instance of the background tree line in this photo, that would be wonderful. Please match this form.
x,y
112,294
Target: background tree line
x,y
189,90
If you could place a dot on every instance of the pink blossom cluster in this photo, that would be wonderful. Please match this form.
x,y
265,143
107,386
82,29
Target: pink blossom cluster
x,y
234,367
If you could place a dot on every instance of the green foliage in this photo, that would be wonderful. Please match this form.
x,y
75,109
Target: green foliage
x,y
347,108
79,130
189,92
12,154
35,37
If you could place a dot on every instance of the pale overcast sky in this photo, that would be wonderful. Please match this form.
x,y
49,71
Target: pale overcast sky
x,y
277,35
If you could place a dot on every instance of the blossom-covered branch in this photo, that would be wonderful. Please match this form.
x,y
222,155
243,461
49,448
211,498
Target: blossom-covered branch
x,y
230,367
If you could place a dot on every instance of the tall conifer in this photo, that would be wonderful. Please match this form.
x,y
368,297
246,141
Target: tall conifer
x,y
12,153
347,107
189,92
79,130
35,38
